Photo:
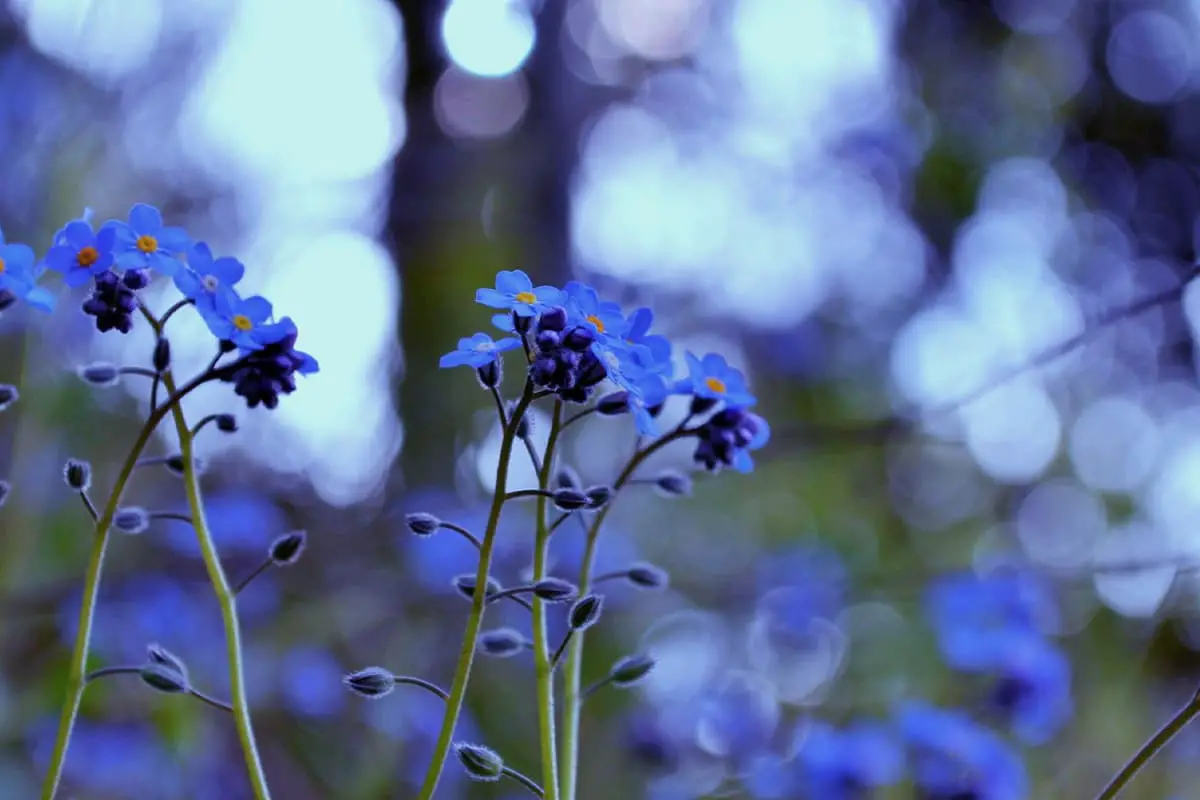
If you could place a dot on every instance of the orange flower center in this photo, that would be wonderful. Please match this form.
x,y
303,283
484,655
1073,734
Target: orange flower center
x,y
715,385
242,322
87,256
147,243
528,298
596,321
2,266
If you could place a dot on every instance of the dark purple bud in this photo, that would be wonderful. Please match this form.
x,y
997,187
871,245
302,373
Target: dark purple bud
x,y
673,483
226,423
490,374
570,499
465,585
612,404
157,654
555,590
599,496
287,549
162,354
542,371
647,576
567,478
552,319
7,299
501,643
524,424
8,395
481,763
164,678
579,339
422,524
131,520
371,682
630,670
78,474
547,341
585,613
136,279
100,374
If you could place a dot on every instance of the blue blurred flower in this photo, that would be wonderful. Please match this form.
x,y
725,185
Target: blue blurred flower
x,y
82,253
477,351
19,276
954,757
738,721
832,764
584,307
975,616
144,242
241,521
712,378
516,293
1032,688
205,277
311,681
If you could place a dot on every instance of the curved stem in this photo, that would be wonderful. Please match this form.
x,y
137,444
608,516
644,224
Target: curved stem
x,y
210,700
543,665
1150,749
573,671
259,570
525,781
466,655
463,532
76,676
226,599
432,688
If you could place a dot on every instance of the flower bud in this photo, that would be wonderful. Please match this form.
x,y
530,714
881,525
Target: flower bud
x,y
490,374
647,576
570,499
226,423
613,404
287,549
136,279
157,654
630,670
524,424
585,612
100,374
465,585
672,483
567,478
78,474
422,524
481,763
501,643
372,682
552,319
521,324
131,520
598,496
162,354
164,678
175,466
555,590
8,395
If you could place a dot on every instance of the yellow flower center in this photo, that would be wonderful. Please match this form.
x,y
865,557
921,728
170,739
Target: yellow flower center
x,y
242,322
715,385
2,266
528,298
596,321
147,243
87,256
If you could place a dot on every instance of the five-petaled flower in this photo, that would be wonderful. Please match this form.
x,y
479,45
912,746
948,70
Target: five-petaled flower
x,y
712,378
477,351
244,321
83,253
205,277
516,293
585,307
146,243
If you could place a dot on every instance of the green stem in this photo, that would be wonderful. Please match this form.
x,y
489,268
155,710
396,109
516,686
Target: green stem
x,y
573,670
466,655
226,599
1150,749
77,672
541,645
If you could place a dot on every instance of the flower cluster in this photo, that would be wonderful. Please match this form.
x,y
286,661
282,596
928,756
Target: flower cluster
x,y
122,257
575,342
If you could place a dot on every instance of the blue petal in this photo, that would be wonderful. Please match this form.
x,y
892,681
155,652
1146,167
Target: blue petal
x,y
188,283
200,258
507,343
106,238
504,322
455,358
258,309
173,240
131,259
513,281
162,263
78,234
227,270
61,258
40,299
145,219
492,298
77,277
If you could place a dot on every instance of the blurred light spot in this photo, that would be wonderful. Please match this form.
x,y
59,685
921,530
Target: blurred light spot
x,y
1013,431
662,30
691,648
1034,16
311,681
1173,498
739,720
939,356
1150,56
479,108
1114,445
1059,522
933,486
797,656
105,38
1124,586
488,37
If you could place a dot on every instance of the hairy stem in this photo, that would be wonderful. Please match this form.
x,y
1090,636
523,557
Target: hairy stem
x,y
573,671
466,655
541,646
1151,748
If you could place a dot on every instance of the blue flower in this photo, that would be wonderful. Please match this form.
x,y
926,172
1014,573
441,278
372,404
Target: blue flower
x,y
584,306
262,374
477,351
145,243
847,764
516,293
205,277
954,757
727,437
18,275
976,617
243,321
81,253
1032,688
712,378
637,331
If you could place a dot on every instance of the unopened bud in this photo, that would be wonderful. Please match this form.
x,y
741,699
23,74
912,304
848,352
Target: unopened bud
x,y
647,576
8,395
422,524
481,763
372,682
673,483
613,404
465,585
227,423
131,520
570,499
585,612
136,279
162,354
630,670
490,374
598,496
164,678
100,374
501,643
555,590
78,474
157,654
567,478
287,549
524,424
7,299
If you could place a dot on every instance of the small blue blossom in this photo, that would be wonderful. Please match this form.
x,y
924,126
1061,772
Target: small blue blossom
x,y
205,277
516,293
262,374
975,617
145,243
1032,688
637,331
584,307
81,253
954,757
477,351
847,764
18,275
712,378
243,321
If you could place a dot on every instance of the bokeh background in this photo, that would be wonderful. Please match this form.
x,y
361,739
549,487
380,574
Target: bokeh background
x,y
874,207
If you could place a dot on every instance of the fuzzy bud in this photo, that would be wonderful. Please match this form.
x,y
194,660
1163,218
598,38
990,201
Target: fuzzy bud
x,y
521,324
613,404
164,678
287,549
100,374
8,395
136,279
672,483
157,654
598,496
567,478
524,424
570,499
175,466
372,682
501,643
490,374
131,520
555,590
226,423
162,354
647,576
78,474
465,585
630,670
481,763
422,524
585,612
